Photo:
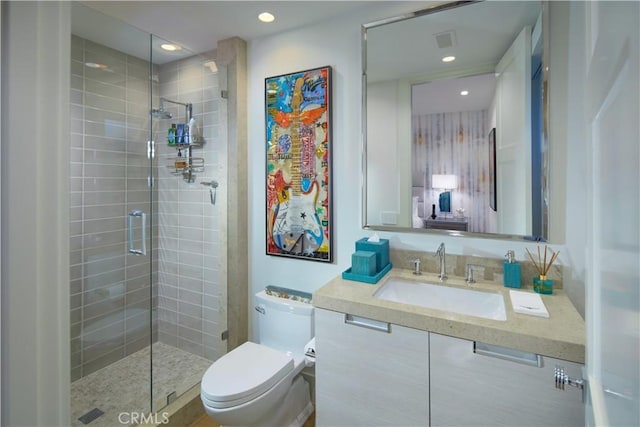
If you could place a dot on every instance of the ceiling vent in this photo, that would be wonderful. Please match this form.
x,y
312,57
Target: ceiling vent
x,y
446,39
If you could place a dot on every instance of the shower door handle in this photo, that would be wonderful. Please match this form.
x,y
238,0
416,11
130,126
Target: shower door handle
x,y
132,219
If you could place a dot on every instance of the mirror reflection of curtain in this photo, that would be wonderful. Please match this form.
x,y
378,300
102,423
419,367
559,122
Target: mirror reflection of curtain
x,y
457,144
418,177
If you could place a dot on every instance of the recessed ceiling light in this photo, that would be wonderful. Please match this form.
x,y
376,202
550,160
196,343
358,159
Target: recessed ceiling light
x,y
266,17
95,65
448,58
464,93
170,47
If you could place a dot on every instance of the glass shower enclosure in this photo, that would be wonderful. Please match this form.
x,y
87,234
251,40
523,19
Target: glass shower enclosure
x,y
147,289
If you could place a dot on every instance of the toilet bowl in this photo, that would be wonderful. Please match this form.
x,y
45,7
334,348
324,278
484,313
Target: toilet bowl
x,y
259,384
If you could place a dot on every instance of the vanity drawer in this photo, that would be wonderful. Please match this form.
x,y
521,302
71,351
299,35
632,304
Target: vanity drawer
x,y
474,384
370,372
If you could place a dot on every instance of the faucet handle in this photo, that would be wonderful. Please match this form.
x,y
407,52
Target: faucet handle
x,y
416,267
469,279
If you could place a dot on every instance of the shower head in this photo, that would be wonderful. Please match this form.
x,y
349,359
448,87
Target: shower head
x,y
160,113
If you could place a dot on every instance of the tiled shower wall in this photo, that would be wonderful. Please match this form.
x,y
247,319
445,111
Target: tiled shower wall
x,y
192,233
110,290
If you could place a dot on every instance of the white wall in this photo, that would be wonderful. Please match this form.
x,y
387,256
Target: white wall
x,y
35,214
569,160
337,44
383,193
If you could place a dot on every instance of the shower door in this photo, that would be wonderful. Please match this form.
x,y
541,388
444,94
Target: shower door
x,y
111,221
147,258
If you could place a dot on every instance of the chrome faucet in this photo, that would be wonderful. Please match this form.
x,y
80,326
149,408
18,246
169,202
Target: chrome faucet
x,y
443,262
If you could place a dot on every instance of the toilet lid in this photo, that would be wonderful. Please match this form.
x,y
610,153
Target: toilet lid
x,y
245,372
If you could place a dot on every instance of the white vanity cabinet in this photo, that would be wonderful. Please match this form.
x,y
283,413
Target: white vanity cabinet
x,y
370,373
481,387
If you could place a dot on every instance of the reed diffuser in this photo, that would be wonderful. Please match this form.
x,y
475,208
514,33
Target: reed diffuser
x,y
541,284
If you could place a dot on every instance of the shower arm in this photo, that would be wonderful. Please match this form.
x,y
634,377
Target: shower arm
x,y
188,107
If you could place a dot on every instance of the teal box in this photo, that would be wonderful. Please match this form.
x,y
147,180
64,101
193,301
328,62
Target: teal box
x,y
348,275
364,263
381,249
511,275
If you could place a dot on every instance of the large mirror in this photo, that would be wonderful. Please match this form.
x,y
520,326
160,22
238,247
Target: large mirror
x,y
454,116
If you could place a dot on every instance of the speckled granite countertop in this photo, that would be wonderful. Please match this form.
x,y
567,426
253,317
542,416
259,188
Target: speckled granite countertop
x,y
561,336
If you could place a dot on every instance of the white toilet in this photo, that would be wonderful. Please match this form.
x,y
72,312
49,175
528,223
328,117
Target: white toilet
x,y
260,384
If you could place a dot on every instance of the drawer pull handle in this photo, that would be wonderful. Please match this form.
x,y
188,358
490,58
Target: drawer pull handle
x,y
530,359
363,322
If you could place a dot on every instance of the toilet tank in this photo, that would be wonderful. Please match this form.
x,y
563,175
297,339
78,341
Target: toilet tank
x,y
284,324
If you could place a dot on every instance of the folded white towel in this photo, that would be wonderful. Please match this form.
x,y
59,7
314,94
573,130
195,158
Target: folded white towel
x,y
528,303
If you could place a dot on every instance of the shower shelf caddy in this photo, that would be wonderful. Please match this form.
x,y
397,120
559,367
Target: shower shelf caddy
x,y
188,164
183,165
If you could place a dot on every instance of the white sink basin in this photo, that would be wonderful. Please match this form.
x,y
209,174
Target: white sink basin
x,y
441,297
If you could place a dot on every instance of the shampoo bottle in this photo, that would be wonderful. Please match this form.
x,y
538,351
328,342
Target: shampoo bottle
x,y
180,136
511,268
171,135
193,131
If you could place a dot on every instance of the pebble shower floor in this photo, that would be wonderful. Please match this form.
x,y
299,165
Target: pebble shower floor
x,y
124,385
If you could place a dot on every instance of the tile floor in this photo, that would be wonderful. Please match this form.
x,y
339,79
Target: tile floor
x,y
124,385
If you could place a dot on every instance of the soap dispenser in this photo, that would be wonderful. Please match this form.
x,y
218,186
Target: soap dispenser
x,y
511,268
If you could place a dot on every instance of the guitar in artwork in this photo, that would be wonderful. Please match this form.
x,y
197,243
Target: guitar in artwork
x,y
296,227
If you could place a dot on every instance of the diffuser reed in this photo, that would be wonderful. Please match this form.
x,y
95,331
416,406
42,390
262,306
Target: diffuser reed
x,y
542,266
541,284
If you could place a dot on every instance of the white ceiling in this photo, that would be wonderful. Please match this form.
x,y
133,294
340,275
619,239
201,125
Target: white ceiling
x,y
443,96
199,25
483,31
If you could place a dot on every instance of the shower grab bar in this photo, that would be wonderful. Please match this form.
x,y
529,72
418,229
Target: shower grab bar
x,y
132,217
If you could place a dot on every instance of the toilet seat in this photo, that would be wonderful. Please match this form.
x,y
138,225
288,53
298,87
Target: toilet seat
x,y
243,374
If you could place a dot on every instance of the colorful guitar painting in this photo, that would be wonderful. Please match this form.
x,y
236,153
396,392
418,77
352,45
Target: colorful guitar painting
x,y
298,162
